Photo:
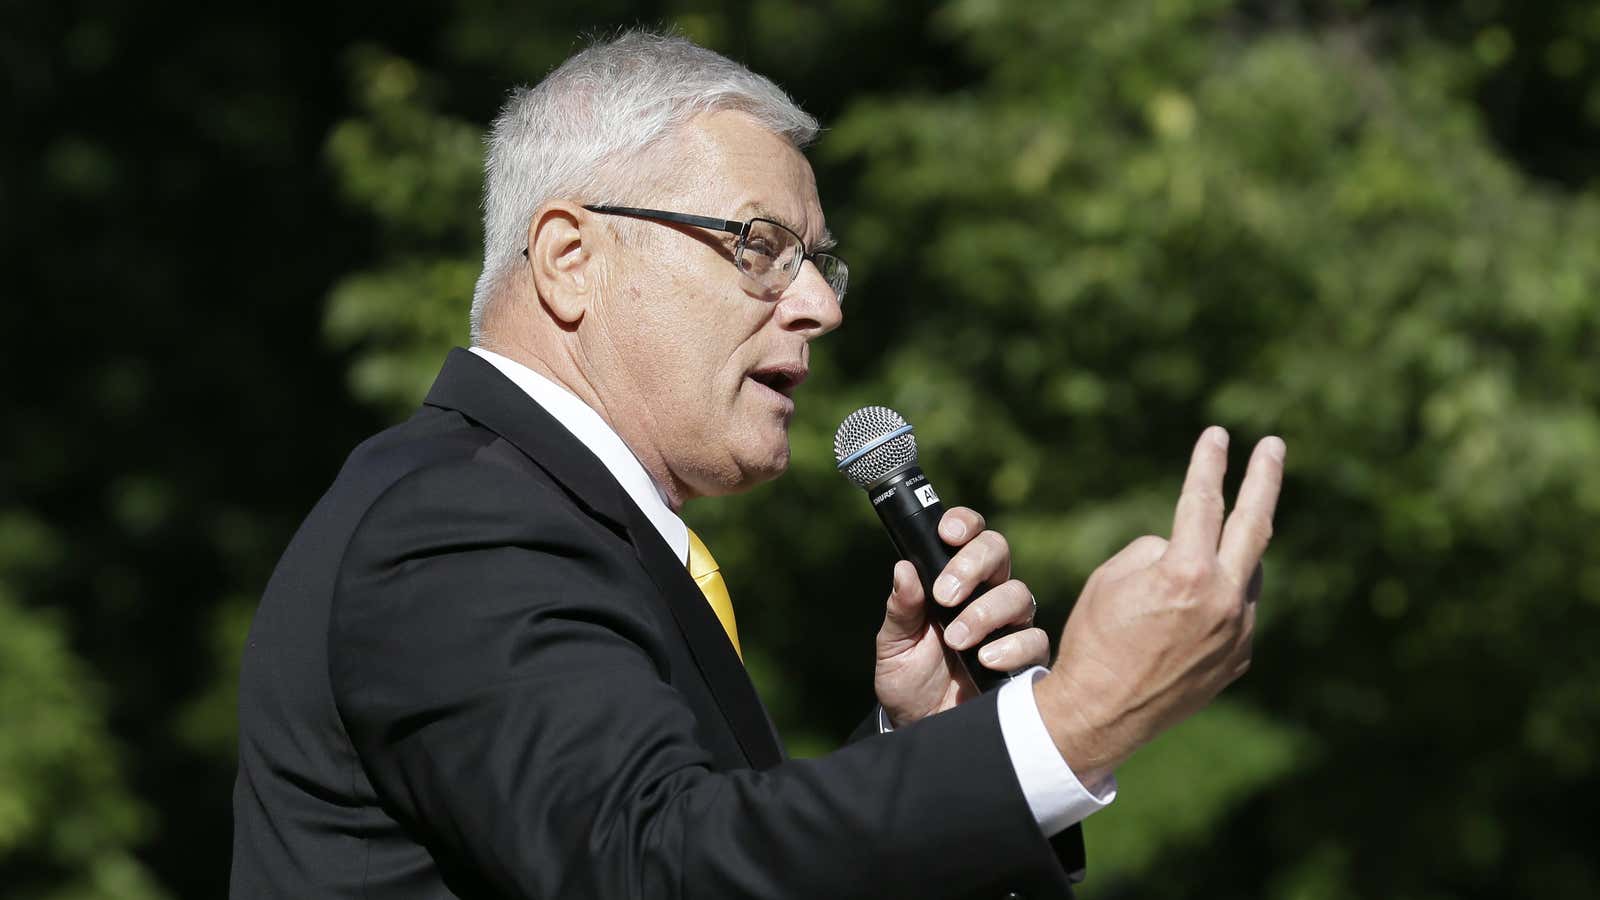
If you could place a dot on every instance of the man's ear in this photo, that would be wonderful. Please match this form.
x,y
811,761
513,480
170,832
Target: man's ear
x,y
561,261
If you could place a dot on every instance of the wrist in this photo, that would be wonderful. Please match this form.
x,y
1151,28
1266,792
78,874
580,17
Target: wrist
x,y
1081,737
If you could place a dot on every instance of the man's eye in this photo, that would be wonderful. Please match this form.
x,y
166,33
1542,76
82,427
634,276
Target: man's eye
x,y
762,246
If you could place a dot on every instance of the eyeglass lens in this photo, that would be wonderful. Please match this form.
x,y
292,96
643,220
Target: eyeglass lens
x,y
772,255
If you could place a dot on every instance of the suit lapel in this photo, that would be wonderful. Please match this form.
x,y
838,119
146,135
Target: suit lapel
x,y
472,386
469,384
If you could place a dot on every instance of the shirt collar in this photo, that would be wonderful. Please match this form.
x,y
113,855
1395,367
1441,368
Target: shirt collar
x,y
587,426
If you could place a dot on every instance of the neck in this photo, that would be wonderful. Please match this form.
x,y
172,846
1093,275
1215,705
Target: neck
x,y
565,371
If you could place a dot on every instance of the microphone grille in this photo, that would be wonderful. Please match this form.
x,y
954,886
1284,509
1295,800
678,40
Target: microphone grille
x,y
873,443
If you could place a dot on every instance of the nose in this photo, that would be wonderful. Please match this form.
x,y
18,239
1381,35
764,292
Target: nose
x,y
809,304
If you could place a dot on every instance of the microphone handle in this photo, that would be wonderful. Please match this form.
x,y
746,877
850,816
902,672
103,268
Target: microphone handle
x,y
910,511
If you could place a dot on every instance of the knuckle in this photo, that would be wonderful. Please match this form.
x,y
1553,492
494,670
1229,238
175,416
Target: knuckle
x,y
1203,496
1229,610
1149,542
1091,585
962,566
990,549
1040,642
1188,574
978,615
998,543
1261,530
1024,595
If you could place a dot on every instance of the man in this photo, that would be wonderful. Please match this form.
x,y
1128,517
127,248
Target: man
x,y
494,661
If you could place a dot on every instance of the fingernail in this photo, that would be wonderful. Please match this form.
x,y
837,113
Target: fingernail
x,y
896,579
989,655
954,529
956,635
1220,435
1275,447
944,590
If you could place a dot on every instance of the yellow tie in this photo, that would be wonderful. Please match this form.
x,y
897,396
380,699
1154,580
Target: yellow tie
x,y
703,569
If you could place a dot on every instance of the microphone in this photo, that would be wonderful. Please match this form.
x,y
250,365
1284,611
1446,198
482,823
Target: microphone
x,y
876,450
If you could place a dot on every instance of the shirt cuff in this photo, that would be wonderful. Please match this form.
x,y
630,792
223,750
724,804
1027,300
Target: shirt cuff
x,y
1055,795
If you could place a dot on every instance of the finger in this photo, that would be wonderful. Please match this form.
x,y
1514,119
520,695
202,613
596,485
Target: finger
x,y
1242,652
960,525
1252,591
1198,520
1016,651
986,559
1249,528
905,613
1007,604
1141,553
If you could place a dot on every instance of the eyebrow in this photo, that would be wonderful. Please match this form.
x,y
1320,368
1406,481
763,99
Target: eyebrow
x,y
826,243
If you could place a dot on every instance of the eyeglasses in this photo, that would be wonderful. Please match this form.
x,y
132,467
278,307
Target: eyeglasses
x,y
768,253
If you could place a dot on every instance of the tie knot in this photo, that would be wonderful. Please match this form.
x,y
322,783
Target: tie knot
x,y
701,562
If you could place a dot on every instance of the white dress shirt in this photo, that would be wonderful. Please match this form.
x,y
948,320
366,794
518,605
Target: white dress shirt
x,y
1054,793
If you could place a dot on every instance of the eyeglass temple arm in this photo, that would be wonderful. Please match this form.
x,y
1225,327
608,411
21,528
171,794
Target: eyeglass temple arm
x,y
728,225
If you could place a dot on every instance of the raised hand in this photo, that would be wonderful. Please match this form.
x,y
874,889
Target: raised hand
x,y
1162,627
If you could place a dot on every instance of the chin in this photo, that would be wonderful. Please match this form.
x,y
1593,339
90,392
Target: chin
x,y
773,466
760,463
764,463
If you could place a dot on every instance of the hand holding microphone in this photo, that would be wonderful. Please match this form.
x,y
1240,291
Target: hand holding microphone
x,y
983,616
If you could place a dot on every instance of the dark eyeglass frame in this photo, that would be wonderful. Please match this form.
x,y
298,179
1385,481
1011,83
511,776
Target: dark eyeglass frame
x,y
742,229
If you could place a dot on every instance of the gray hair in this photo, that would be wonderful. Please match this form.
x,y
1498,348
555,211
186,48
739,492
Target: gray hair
x,y
571,135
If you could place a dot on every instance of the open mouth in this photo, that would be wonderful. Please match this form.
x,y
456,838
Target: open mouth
x,y
782,379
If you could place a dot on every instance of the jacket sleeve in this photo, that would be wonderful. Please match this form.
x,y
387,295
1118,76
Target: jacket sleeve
x,y
499,679
868,727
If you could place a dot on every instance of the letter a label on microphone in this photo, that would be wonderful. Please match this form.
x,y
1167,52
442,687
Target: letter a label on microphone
x,y
926,496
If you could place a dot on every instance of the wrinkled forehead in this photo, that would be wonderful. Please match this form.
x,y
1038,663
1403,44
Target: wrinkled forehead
x,y
730,166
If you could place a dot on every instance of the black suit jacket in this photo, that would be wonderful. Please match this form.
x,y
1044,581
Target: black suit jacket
x,y
479,671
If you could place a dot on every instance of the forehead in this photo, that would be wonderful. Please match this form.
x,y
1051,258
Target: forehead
x,y
736,168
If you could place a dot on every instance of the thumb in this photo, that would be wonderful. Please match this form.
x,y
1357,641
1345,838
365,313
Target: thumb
x,y
905,613
1141,553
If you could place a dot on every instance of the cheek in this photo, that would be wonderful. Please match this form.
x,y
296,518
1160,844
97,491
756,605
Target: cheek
x,y
683,366
703,340
688,331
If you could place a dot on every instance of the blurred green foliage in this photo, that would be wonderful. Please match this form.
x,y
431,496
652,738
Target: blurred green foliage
x,y
1078,233
66,821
